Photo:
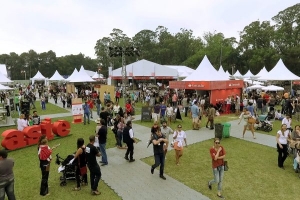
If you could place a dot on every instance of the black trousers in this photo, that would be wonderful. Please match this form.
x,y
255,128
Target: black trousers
x,y
129,150
186,111
159,160
282,154
95,176
80,177
44,183
7,111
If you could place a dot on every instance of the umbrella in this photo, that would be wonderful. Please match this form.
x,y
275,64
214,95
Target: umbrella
x,y
272,88
253,87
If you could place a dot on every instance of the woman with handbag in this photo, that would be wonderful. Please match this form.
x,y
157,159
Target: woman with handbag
x,y
249,121
80,162
178,137
217,153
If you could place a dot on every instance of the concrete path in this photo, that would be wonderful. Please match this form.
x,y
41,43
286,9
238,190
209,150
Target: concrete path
x,y
134,181
143,183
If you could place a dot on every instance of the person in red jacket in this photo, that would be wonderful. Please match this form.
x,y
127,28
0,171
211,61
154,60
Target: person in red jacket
x,y
118,95
128,108
217,153
91,105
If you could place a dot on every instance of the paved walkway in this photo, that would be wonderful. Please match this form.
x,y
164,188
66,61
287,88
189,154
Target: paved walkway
x,y
144,185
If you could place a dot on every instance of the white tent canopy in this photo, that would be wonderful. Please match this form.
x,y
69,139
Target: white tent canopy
x,y
272,88
205,72
4,79
248,74
183,71
73,75
3,70
57,77
253,87
237,74
227,73
96,76
38,76
279,73
3,87
146,68
262,73
80,76
222,72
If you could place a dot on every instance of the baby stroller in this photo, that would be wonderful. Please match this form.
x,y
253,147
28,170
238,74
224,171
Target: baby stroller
x,y
67,170
264,125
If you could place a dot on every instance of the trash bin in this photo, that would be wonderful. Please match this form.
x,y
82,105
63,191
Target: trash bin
x,y
226,130
218,130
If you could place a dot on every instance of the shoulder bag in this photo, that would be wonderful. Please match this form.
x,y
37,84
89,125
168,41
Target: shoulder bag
x,y
226,165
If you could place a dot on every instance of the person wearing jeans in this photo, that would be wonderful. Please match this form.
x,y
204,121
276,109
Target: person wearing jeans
x,y
282,138
102,137
217,153
86,113
95,172
7,176
158,141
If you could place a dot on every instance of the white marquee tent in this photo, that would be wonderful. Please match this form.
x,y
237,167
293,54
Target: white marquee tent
x,y
262,73
183,71
4,79
73,75
3,70
38,76
205,72
237,74
279,73
223,73
227,73
248,74
97,76
80,76
145,68
57,77
3,87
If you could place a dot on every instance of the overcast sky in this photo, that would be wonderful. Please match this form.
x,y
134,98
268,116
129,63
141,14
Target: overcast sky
x,y
74,26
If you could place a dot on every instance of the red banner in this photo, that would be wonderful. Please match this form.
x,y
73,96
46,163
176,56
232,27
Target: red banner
x,y
234,84
206,85
221,95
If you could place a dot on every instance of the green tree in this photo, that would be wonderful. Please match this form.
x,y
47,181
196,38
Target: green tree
x,y
287,37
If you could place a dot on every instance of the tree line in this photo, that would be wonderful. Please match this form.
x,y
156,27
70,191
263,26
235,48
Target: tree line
x,y
261,43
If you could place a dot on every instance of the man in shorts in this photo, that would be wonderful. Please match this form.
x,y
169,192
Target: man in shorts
x,y
195,115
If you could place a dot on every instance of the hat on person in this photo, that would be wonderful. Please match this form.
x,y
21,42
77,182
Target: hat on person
x,y
97,121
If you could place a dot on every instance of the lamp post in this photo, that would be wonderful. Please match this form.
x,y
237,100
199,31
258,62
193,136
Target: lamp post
x,y
122,52
24,72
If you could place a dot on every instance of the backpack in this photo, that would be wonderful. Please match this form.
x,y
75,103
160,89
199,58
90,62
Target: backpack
x,y
45,153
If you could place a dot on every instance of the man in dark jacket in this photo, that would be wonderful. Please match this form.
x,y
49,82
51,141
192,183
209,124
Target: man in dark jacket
x,y
102,137
158,140
128,138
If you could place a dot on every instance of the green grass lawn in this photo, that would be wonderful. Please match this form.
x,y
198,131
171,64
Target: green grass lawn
x,y
28,175
50,109
253,171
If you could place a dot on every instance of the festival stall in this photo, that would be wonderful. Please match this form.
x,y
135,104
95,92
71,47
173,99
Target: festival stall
x,y
207,78
39,77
